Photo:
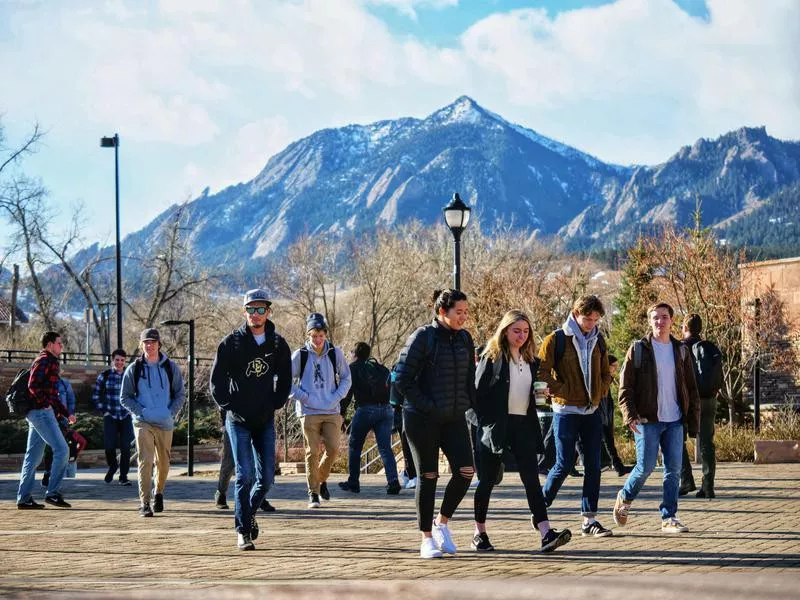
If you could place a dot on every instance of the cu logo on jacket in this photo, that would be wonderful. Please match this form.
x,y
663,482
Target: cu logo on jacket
x,y
257,367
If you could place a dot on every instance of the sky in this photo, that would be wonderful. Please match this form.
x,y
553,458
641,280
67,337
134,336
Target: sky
x,y
203,92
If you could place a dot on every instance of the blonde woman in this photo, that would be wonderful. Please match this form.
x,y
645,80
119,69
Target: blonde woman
x,y
506,414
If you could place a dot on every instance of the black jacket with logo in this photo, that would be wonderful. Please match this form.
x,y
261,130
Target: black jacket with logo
x,y
243,376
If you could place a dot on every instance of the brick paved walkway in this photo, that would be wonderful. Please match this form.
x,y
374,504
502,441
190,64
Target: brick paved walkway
x,y
752,528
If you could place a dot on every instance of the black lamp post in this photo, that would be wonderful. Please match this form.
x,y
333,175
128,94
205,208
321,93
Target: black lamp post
x,y
190,422
456,215
757,368
113,142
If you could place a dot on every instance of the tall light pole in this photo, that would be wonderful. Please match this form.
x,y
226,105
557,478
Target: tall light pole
x,y
456,215
113,142
190,420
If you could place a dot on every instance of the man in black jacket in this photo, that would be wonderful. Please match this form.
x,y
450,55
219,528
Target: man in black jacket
x,y
250,379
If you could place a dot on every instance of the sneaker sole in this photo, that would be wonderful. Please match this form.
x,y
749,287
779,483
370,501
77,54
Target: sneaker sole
x,y
440,555
562,539
607,533
246,548
314,505
674,531
620,522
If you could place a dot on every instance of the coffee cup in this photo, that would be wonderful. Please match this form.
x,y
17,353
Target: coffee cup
x,y
539,389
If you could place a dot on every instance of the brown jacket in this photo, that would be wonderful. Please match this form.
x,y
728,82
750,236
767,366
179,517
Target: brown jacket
x,y
567,385
638,388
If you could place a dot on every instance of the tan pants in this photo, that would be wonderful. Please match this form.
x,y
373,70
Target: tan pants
x,y
328,428
154,446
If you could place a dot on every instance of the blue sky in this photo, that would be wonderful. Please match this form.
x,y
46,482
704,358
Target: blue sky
x,y
203,92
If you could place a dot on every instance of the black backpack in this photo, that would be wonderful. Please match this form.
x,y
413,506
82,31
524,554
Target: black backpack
x,y
707,368
376,378
18,398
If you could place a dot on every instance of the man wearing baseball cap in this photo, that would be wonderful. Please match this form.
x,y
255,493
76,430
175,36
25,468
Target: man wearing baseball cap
x,y
250,379
152,391
321,379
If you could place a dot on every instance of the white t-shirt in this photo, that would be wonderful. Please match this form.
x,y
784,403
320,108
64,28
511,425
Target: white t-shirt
x,y
668,409
519,389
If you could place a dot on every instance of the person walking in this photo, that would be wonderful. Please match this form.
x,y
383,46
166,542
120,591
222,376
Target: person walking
x,y
436,377
707,362
370,389
67,398
574,364
321,379
153,393
657,397
408,478
505,411
117,422
250,380
45,410
610,456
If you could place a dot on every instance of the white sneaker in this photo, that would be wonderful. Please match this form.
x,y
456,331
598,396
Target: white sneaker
x,y
411,484
403,480
441,535
673,525
474,483
244,542
428,549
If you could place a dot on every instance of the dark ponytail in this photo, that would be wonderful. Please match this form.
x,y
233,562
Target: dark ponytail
x,y
446,299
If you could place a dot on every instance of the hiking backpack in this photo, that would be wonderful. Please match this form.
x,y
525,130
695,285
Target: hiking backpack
x,y
707,368
18,398
376,377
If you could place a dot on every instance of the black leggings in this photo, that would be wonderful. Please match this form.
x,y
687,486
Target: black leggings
x,y
410,469
519,441
426,436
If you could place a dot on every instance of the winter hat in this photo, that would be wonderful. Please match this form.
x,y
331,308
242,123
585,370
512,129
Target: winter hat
x,y
316,321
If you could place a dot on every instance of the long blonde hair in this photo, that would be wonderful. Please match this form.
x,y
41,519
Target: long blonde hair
x,y
498,343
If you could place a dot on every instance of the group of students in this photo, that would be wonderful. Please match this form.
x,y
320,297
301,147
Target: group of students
x,y
439,386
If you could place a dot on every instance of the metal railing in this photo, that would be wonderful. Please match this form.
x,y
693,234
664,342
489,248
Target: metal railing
x,y
372,455
75,358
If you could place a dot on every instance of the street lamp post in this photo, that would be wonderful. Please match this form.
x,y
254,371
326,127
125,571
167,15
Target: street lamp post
x,y
113,142
456,215
190,420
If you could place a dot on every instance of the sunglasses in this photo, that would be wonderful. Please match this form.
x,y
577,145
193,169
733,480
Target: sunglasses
x,y
251,310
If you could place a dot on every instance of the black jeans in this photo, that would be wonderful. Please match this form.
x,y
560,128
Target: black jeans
x,y
519,441
118,433
705,441
610,456
425,437
408,459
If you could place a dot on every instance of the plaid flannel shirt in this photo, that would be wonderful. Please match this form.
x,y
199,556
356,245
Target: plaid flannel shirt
x,y
43,384
109,404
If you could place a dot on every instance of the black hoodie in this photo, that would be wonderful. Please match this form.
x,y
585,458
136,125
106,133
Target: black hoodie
x,y
243,376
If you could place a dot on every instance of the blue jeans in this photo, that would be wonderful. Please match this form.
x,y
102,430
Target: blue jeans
x,y
567,429
254,456
652,435
42,429
380,419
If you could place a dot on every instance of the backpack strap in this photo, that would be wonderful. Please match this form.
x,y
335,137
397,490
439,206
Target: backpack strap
x,y
637,354
561,347
304,361
138,371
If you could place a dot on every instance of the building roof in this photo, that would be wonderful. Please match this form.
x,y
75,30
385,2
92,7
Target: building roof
x,y
5,312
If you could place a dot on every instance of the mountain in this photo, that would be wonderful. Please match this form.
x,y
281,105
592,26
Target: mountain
x,y
346,181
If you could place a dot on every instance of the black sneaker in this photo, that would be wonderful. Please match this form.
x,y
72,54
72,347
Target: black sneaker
x,y
323,491
220,501
481,543
29,504
686,488
704,494
57,500
158,503
624,470
110,474
575,473
553,539
45,479
393,489
266,506
253,528
123,481
313,500
346,486
244,541
594,529
145,510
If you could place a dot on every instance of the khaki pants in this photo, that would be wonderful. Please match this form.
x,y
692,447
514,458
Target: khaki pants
x,y
328,428
154,446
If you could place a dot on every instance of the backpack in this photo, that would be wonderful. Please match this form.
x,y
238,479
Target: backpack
x,y
331,356
138,371
561,346
707,368
18,398
376,377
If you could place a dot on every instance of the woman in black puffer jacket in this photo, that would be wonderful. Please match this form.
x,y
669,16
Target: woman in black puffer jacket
x,y
435,374
505,411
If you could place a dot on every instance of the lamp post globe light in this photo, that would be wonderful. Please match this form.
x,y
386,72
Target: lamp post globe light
x,y
113,142
190,411
456,216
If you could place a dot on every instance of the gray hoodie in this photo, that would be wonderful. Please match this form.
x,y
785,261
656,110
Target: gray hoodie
x,y
153,402
317,393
